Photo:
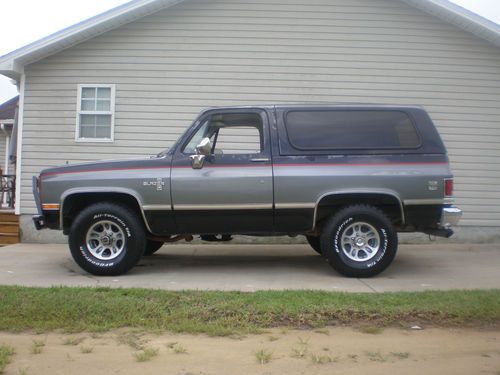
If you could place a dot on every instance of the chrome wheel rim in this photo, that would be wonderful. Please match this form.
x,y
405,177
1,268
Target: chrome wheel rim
x,y
105,240
360,241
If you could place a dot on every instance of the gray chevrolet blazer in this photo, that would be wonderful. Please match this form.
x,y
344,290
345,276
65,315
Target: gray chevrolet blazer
x,y
348,178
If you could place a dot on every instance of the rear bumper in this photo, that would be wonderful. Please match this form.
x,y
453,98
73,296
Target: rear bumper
x,y
450,216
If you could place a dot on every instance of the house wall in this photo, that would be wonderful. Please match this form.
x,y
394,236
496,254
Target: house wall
x,y
168,66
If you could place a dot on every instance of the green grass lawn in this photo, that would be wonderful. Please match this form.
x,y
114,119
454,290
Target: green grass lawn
x,y
223,313
6,352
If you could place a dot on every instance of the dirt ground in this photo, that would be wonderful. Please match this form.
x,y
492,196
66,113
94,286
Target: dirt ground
x,y
325,351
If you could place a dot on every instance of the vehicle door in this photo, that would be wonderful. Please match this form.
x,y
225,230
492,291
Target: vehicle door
x,y
222,175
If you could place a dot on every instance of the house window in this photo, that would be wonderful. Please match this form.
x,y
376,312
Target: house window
x,y
96,112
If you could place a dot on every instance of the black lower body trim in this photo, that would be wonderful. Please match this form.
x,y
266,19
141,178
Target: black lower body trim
x,y
161,223
224,221
423,216
293,220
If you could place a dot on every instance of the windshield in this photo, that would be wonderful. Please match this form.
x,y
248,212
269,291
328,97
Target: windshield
x,y
166,151
174,145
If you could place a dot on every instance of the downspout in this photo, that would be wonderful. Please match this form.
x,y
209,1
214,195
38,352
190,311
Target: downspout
x,y
19,142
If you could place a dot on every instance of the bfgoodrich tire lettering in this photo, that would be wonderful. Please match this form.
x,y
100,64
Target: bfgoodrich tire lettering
x,y
126,233
359,241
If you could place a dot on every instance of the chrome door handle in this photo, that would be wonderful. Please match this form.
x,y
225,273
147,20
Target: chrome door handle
x,y
259,160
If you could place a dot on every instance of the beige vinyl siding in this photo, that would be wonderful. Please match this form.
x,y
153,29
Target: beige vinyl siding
x,y
169,66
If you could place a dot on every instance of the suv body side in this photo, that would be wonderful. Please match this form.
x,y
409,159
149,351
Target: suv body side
x,y
278,191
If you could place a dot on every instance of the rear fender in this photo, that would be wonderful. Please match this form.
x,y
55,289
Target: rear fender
x,y
361,193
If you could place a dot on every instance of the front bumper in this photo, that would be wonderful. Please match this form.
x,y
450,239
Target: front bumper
x,y
39,219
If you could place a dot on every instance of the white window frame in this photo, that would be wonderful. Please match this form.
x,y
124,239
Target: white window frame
x,y
110,112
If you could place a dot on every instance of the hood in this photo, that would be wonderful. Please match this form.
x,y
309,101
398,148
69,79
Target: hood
x,y
112,165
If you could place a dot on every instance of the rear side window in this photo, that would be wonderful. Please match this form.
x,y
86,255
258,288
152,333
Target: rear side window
x,y
329,130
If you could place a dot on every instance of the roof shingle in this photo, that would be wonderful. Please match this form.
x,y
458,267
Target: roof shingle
x,y
8,109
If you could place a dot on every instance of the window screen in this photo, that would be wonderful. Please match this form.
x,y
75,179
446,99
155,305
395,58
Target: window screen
x,y
320,130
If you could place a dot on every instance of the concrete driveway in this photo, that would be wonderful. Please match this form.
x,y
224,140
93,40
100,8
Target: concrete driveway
x,y
259,267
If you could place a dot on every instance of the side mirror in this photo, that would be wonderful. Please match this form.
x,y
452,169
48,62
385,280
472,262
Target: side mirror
x,y
203,149
197,161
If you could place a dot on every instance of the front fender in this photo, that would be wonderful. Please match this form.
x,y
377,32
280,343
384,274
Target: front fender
x,y
97,189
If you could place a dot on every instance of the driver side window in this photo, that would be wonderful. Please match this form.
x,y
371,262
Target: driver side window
x,y
230,134
238,140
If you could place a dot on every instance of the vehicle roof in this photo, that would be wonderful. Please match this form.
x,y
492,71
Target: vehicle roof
x,y
322,105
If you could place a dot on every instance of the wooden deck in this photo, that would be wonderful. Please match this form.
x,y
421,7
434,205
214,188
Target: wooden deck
x,y
9,227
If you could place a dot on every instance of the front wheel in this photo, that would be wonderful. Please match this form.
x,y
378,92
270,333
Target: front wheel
x,y
107,239
359,241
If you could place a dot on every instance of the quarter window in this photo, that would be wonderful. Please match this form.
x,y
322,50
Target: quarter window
x,y
95,120
330,130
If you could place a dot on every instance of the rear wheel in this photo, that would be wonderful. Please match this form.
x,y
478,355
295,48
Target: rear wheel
x,y
315,243
359,241
152,247
107,239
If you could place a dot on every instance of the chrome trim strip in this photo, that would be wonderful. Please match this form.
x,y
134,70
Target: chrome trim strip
x,y
157,207
416,202
294,205
197,207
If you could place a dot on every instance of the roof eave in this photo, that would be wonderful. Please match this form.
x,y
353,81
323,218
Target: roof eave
x,y
460,17
12,64
11,69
